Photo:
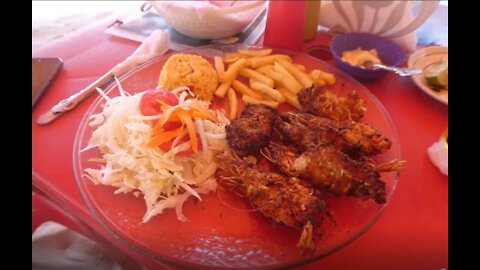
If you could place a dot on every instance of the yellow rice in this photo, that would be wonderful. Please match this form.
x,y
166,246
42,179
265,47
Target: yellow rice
x,y
189,70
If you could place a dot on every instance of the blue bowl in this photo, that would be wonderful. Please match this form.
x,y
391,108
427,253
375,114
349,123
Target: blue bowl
x,y
389,53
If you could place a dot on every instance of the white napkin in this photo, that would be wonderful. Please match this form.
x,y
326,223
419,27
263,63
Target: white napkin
x,y
155,45
438,154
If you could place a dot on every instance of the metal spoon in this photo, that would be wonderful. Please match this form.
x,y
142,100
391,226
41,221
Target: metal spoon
x,y
400,71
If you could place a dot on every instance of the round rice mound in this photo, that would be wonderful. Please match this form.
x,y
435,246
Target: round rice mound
x,y
189,70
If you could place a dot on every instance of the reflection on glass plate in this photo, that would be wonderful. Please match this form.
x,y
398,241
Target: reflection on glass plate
x,y
222,231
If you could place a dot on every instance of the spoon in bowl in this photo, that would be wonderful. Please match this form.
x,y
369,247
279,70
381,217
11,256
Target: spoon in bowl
x,y
400,71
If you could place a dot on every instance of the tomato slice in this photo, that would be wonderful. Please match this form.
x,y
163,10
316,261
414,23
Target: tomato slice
x,y
171,125
150,105
168,146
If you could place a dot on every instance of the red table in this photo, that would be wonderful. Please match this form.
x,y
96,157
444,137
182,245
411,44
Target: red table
x,y
410,234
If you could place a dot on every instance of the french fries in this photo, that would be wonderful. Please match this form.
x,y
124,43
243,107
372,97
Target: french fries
x,y
232,103
315,75
268,91
321,78
245,90
254,75
290,98
270,72
258,61
272,79
303,78
233,57
232,71
219,66
222,89
299,67
263,52
250,82
251,100
288,80
328,78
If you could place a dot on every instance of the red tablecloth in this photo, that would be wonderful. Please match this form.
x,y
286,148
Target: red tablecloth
x,y
410,234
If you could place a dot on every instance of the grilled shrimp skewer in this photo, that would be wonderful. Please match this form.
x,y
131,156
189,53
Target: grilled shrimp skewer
x,y
290,201
332,170
326,103
308,131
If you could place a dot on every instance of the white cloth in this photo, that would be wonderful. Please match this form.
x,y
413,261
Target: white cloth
x,y
155,45
57,247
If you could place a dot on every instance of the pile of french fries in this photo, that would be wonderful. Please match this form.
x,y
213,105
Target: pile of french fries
x,y
272,78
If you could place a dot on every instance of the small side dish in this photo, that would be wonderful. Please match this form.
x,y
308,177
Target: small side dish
x,y
354,52
437,75
434,79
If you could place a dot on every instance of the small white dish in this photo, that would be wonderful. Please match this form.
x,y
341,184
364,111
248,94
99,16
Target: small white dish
x,y
422,59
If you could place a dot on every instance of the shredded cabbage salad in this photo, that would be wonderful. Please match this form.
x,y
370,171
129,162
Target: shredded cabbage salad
x,y
165,180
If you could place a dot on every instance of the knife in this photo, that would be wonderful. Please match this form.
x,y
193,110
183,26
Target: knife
x,y
155,45
72,101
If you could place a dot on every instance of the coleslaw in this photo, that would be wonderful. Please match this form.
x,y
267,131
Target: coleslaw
x,y
164,178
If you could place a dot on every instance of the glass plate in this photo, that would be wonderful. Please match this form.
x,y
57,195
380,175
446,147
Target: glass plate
x,y
221,231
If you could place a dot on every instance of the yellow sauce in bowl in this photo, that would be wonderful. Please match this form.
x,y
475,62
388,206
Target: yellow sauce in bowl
x,y
359,57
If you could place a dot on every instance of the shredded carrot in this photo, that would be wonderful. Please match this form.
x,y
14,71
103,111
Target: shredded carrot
x,y
183,115
185,118
201,115
157,128
165,136
164,107
173,118
162,102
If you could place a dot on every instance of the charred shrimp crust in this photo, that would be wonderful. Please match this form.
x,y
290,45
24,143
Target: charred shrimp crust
x,y
328,151
326,103
332,170
252,130
307,131
290,201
